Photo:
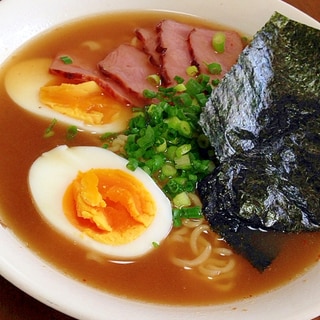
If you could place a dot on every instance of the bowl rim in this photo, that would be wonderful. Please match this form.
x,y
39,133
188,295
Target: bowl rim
x,y
50,286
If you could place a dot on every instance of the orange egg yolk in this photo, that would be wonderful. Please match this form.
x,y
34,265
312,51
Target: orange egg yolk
x,y
109,205
85,101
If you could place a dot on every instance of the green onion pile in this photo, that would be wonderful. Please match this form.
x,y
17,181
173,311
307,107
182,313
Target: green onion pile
x,y
166,141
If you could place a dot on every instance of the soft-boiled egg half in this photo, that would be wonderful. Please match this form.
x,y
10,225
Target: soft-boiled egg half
x,y
89,195
84,105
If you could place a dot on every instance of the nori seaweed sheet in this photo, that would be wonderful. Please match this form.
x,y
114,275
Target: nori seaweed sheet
x,y
263,122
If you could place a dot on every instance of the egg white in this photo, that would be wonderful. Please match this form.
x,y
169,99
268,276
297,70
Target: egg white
x,y
52,173
23,82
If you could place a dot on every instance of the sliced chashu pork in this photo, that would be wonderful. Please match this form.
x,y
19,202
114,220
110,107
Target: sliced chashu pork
x,y
168,50
81,71
182,45
149,40
203,53
130,67
175,54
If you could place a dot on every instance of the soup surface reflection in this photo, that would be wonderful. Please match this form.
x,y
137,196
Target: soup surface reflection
x,y
154,277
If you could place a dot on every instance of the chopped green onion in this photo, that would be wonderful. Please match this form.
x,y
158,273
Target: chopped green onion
x,y
155,244
178,79
203,141
202,99
147,170
168,170
191,212
192,71
183,149
194,87
183,99
155,113
148,139
172,136
133,164
106,136
185,129
71,132
155,163
66,59
177,222
164,139
138,113
171,152
161,145
219,41
203,79
173,122
138,122
154,80
149,94
215,82
49,131
214,68
185,213
180,87
183,162
181,200
175,185
182,126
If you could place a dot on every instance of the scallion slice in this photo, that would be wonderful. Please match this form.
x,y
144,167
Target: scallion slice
x,y
49,130
219,41
72,131
214,68
192,71
181,200
66,59
154,80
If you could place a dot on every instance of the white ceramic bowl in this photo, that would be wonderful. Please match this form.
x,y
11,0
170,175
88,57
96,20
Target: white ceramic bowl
x,y
20,21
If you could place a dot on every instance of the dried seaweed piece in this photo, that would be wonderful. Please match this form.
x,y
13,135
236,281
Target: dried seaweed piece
x,y
283,60
264,123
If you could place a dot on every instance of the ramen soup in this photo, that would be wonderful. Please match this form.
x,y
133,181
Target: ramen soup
x,y
171,273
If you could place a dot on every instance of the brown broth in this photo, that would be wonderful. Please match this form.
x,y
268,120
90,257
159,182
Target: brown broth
x,y
152,278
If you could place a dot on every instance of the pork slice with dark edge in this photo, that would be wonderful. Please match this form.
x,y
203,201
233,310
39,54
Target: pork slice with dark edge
x,y
149,40
263,121
130,67
204,54
174,50
71,67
